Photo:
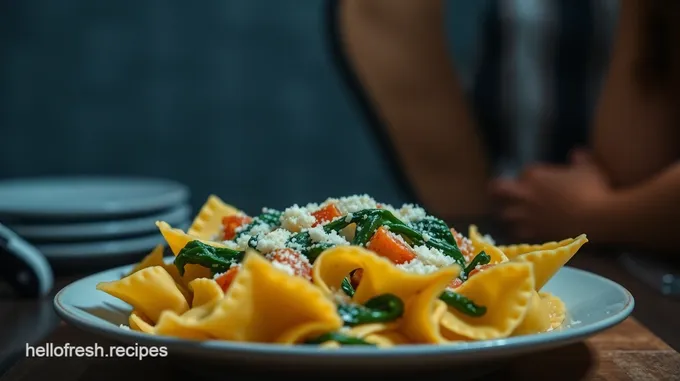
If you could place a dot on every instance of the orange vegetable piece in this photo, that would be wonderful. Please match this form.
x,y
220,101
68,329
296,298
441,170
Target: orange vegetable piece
x,y
231,223
385,244
356,277
479,269
225,280
326,214
463,244
455,283
293,259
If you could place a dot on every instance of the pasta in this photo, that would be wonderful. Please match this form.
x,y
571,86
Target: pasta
x,y
348,271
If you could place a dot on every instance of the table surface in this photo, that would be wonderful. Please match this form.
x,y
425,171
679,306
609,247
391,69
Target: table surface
x,y
642,347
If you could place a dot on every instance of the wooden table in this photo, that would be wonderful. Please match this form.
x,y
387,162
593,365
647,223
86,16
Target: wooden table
x,y
629,351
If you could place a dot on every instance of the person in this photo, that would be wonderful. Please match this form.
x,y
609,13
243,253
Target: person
x,y
619,181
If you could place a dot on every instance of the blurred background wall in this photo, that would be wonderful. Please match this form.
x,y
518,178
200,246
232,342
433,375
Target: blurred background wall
x,y
237,98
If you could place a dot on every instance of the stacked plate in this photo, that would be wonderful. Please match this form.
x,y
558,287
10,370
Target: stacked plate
x,y
92,221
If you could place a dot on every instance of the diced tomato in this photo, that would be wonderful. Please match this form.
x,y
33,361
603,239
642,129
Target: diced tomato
x,y
356,277
378,206
326,214
455,283
385,244
464,245
231,223
294,260
454,233
479,269
225,280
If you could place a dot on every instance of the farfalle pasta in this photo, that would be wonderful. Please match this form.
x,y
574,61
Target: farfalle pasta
x,y
348,271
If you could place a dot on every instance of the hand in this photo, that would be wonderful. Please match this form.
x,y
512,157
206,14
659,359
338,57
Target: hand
x,y
553,202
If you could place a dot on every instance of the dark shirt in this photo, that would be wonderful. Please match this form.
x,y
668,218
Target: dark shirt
x,y
533,70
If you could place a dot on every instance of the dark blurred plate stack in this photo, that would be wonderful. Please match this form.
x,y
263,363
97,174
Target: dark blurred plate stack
x,y
89,223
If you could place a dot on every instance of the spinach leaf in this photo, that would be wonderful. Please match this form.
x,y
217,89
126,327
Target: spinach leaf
x,y
381,308
462,304
479,260
417,238
339,338
435,228
347,287
269,217
217,259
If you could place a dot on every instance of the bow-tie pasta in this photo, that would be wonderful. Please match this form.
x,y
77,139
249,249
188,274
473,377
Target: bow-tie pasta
x,y
346,271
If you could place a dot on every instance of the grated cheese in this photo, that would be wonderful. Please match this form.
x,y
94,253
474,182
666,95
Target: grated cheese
x,y
345,314
489,239
572,323
432,256
261,228
124,327
318,235
296,218
285,267
465,245
231,245
273,241
352,204
312,207
399,238
242,241
416,266
411,213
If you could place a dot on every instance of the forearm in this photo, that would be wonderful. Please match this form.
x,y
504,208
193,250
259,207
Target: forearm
x,y
634,133
645,215
401,58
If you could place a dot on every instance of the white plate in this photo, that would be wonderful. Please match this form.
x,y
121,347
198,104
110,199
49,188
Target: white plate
x,y
102,229
100,248
594,303
92,197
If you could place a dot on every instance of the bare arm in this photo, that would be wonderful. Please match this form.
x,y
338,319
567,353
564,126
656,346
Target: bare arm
x,y
637,140
645,215
399,52
635,135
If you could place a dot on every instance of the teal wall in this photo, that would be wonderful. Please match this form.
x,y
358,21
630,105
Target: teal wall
x,y
233,97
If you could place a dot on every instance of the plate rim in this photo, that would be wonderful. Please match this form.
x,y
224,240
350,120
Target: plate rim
x,y
115,247
481,349
110,228
177,193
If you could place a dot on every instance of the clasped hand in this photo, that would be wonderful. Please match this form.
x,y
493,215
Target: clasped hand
x,y
549,201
